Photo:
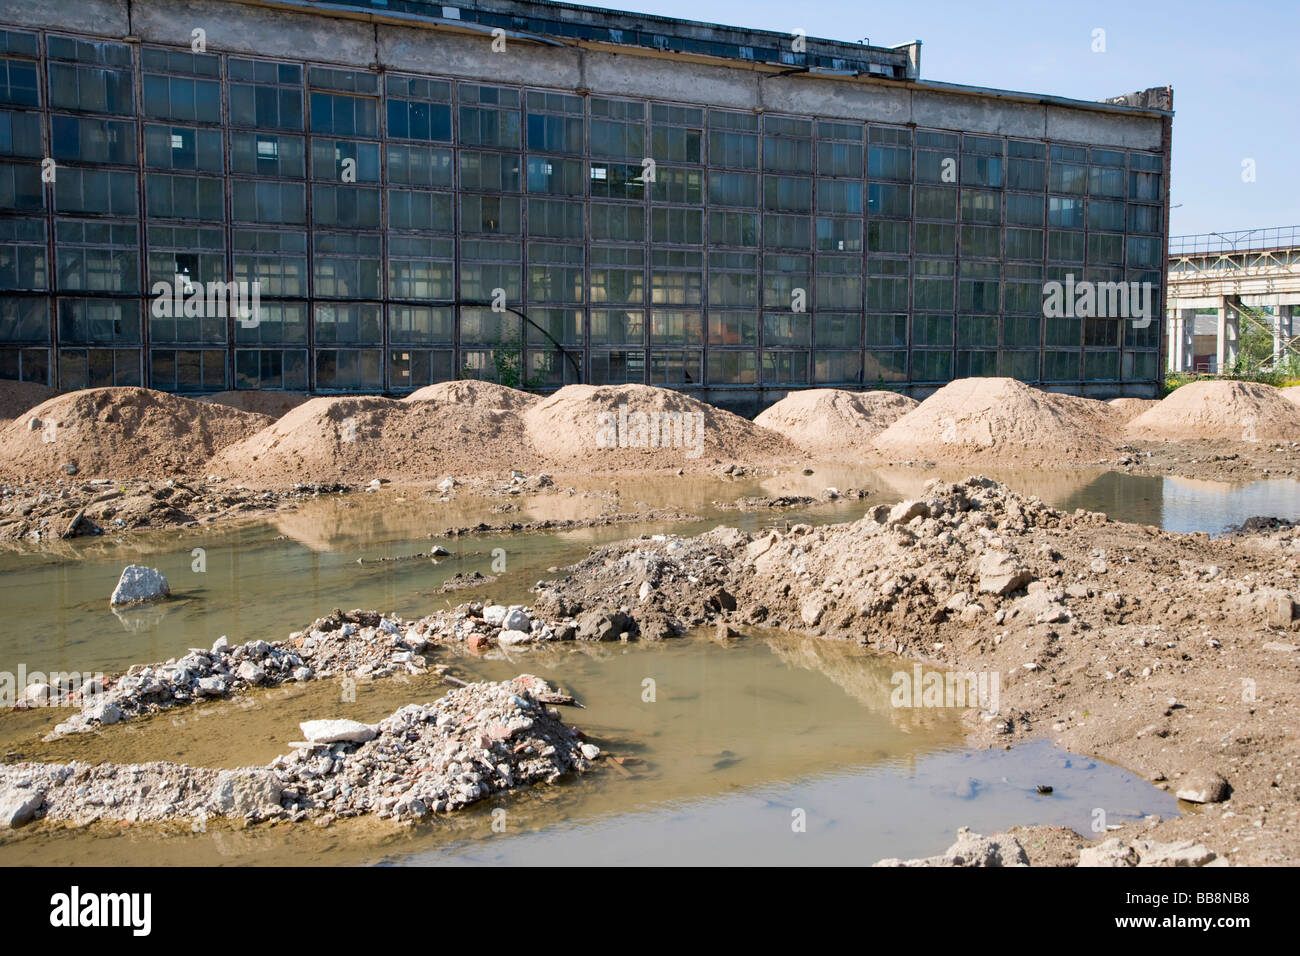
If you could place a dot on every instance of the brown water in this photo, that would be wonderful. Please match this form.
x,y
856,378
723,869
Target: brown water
x,y
736,741
724,745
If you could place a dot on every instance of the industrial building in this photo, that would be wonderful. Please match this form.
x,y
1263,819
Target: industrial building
x,y
543,193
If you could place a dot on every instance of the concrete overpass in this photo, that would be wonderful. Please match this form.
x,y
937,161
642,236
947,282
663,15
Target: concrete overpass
x,y
1230,272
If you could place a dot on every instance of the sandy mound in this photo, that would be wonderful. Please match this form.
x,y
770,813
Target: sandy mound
x,y
1291,393
357,439
18,397
1236,411
1127,409
999,420
642,427
268,402
827,421
473,392
118,432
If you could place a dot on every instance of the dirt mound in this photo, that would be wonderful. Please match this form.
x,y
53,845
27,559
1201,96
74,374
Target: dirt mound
x,y
641,427
473,392
827,421
19,397
1001,419
119,432
263,402
1235,411
362,438
1291,393
1127,409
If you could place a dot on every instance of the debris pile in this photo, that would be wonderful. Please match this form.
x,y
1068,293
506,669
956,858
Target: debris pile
x,y
37,513
972,849
975,418
105,432
832,423
1230,411
358,643
477,741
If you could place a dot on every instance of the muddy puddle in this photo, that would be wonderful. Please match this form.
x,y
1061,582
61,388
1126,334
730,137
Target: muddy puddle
x,y
263,579
736,742
725,750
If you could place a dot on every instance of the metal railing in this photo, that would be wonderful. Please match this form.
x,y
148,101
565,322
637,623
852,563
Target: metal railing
x,y
1242,240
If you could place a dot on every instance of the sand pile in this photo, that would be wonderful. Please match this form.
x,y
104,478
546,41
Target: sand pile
x,y
1001,420
473,392
1127,409
273,403
642,427
119,432
1235,411
359,439
19,397
828,421
1291,393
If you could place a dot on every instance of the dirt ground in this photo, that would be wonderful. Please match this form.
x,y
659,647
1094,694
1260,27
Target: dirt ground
x,y
1172,655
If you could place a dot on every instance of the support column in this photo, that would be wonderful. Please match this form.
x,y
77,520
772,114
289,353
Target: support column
x,y
1229,326
1182,330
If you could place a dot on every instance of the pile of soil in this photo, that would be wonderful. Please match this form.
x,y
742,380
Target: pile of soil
x,y
116,432
19,397
829,422
1109,638
474,392
359,439
639,427
1232,411
1291,393
1127,409
273,403
1001,419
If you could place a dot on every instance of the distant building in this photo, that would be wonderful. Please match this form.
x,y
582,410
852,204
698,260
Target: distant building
x,y
545,194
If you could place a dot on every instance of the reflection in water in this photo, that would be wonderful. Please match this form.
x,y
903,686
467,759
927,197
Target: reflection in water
x,y
735,738
263,580
854,816
718,746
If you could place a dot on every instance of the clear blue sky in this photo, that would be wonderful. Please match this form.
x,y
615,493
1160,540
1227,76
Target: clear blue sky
x,y
1234,68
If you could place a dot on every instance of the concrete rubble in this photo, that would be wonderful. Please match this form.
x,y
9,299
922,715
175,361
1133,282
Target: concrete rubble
x,y
359,644
140,585
478,741
972,849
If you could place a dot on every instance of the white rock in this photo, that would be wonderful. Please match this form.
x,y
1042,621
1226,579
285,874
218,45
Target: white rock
x,y
139,584
211,686
37,692
105,713
18,805
240,792
495,614
590,751
302,673
510,636
220,644
516,620
335,731
248,671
